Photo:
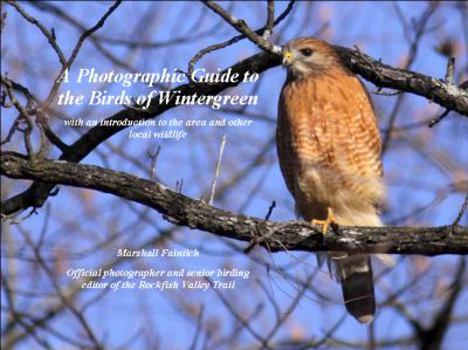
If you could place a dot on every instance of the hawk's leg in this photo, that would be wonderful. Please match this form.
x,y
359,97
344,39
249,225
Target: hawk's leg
x,y
330,220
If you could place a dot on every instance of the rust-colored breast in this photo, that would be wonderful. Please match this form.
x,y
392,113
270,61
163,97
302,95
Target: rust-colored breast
x,y
328,143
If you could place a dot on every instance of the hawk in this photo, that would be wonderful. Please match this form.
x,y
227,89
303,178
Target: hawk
x,y
329,151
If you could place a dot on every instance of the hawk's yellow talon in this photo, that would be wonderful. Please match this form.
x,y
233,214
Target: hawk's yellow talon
x,y
325,223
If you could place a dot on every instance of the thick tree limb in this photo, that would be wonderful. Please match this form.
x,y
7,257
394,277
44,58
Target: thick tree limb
x,y
437,90
199,215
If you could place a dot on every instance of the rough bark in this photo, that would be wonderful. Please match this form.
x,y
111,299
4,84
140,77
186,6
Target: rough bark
x,y
196,214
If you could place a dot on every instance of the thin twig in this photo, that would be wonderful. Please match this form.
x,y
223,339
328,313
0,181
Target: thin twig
x,y
436,120
63,297
270,210
461,212
218,169
239,317
196,334
450,75
24,115
449,79
420,30
49,35
242,27
198,56
270,19
75,52
153,156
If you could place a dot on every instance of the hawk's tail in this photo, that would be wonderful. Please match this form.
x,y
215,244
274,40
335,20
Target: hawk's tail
x,y
355,272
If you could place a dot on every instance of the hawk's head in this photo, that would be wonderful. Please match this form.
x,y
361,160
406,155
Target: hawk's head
x,y
304,57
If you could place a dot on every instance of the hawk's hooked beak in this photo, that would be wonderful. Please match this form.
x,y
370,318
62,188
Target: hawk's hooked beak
x,y
288,57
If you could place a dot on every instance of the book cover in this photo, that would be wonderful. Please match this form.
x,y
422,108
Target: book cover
x,y
234,175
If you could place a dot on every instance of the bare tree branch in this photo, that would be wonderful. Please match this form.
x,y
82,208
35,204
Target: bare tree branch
x,y
49,35
237,38
431,339
436,90
242,27
197,214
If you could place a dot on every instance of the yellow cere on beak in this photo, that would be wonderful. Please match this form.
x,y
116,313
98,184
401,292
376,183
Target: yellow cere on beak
x,y
287,57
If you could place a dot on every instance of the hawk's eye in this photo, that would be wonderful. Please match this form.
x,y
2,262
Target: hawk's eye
x,y
306,52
